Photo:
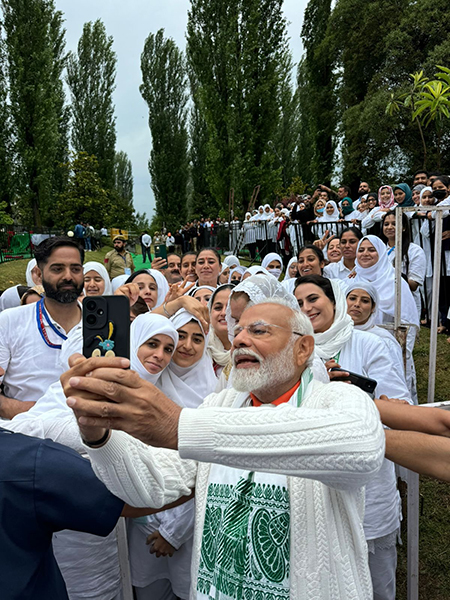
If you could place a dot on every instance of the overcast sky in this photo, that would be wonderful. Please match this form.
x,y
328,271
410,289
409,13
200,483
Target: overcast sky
x,y
130,23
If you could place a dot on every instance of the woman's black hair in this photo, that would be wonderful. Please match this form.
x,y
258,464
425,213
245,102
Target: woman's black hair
x,y
406,236
221,288
320,281
373,195
443,179
353,230
317,251
132,277
189,252
213,250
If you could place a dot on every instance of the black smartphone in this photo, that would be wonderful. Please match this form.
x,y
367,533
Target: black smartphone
x,y
161,252
365,383
106,326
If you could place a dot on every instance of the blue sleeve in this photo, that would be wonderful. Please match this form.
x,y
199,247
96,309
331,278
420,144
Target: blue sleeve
x,y
68,495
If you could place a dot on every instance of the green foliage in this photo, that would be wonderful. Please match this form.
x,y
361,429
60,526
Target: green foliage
x,y
141,222
91,74
236,50
5,218
164,89
84,198
34,51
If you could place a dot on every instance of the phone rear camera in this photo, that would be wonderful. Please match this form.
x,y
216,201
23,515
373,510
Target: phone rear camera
x,y
100,311
91,319
91,305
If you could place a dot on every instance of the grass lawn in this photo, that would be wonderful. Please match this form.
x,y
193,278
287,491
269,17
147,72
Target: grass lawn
x,y
434,575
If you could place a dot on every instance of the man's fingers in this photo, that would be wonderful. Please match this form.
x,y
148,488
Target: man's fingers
x,y
111,388
125,377
82,367
75,359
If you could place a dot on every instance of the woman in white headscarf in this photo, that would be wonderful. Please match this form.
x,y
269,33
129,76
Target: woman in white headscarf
x,y
273,263
330,215
96,280
190,376
153,342
339,345
373,265
202,293
11,297
237,274
231,261
153,286
118,281
255,270
32,274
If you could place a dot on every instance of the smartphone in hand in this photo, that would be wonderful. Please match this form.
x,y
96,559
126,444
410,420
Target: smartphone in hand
x,y
106,326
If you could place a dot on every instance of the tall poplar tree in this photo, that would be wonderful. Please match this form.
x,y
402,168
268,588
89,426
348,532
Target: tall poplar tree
x,y
164,89
34,44
91,74
235,49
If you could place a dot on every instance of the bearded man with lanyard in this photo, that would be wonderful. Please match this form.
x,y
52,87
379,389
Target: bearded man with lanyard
x,y
31,336
279,462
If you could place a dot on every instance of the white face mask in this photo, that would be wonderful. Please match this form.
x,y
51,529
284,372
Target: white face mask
x,y
275,272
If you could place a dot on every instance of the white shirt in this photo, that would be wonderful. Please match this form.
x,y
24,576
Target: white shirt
x,y
30,365
146,240
104,231
336,270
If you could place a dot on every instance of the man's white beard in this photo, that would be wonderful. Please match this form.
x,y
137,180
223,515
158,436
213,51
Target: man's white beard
x,y
273,370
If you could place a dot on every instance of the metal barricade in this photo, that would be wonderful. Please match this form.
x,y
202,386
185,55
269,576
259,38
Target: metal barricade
x,y
413,478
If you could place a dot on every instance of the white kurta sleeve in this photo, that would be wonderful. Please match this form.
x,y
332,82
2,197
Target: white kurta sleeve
x,y
177,524
417,264
335,437
142,475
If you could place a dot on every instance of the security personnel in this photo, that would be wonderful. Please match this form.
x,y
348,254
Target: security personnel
x,y
119,261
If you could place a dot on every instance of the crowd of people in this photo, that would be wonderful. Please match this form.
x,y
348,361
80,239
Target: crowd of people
x,y
244,463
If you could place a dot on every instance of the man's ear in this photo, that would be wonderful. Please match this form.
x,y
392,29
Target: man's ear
x,y
39,274
303,349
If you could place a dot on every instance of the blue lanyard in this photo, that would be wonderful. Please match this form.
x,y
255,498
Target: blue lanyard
x,y
41,313
391,250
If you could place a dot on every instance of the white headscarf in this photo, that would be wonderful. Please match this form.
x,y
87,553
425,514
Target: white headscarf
x,y
268,259
215,347
290,263
10,298
30,266
200,287
231,260
258,270
330,342
241,270
189,386
382,276
118,281
163,286
101,270
329,218
372,291
143,328
425,189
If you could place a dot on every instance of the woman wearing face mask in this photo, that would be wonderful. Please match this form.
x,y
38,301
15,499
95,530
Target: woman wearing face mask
x,y
208,267
374,266
219,346
153,342
330,215
348,211
153,286
273,263
96,280
236,275
338,343
413,257
441,191
349,240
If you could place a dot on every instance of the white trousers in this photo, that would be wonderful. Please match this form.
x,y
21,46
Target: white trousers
x,y
383,565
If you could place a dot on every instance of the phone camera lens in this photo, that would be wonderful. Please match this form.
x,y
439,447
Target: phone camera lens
x,y
91,305
100,311
91,319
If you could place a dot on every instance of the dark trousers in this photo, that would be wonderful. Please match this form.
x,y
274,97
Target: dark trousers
x,y
146,251
252,250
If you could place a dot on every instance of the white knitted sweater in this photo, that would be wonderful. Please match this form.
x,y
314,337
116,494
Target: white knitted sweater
x,y
329,448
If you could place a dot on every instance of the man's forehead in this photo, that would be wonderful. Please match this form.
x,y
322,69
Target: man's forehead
x,y
277,314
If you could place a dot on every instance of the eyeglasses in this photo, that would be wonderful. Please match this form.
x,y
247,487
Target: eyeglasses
x,y
260,330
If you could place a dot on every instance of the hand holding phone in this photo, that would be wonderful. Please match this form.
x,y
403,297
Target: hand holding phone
x,y
364,383
106,326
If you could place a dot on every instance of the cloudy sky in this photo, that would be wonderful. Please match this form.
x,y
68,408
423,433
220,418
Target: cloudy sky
x,y
130,23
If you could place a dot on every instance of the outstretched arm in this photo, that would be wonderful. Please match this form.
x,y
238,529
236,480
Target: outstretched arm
x,y
422,453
